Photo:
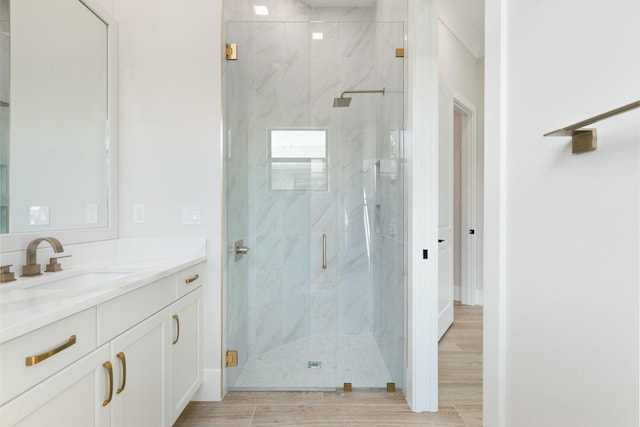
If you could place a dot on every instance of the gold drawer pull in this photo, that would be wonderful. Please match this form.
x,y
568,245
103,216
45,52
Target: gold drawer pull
x,y
33,360
107,365
124,372
192,279
175,316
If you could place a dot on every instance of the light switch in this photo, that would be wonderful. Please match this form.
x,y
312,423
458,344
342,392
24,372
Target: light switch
x,y
92,213
191,215
138,214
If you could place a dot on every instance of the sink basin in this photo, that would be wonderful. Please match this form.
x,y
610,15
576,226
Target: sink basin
x,y
82,281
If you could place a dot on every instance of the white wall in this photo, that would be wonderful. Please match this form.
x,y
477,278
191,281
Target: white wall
x,y
170,125
562,265
456,65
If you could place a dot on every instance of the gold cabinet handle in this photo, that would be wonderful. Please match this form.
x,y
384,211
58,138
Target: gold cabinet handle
x,y
324,250
124,372
107,365
192,279
34,360
175,316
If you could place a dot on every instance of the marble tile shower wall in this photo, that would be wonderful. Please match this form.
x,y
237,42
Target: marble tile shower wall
x,y
286,80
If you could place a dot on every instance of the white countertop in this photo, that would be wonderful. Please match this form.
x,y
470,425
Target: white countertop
x,y
30,303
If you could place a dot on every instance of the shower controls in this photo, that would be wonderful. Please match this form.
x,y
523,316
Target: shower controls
x,y
239,249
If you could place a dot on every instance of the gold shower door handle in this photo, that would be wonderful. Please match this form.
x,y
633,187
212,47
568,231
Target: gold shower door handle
x,y
324,251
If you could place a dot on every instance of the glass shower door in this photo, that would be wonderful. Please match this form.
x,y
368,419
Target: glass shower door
x,y
315,194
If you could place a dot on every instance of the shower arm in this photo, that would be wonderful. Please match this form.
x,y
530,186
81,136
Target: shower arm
x,y
361,91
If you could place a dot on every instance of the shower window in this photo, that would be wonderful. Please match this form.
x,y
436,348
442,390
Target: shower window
x,y
298,160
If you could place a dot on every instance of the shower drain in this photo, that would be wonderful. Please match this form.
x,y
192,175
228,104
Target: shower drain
x,y
314,364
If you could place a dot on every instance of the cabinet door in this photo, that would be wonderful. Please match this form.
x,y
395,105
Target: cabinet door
x,y
186,350
140,360
72,397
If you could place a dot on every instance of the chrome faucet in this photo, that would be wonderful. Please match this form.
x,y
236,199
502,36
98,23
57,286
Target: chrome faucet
x,y
32,268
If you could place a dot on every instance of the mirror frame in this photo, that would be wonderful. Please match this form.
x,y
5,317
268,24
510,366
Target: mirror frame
x,y
13,242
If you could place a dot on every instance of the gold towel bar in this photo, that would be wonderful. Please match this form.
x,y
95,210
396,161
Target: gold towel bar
x,y
583,140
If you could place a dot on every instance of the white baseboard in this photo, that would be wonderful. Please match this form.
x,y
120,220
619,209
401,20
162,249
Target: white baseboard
x,y
211,390
479,297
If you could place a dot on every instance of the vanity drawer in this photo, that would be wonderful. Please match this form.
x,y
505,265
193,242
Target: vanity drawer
x,y
121,313
189,279
29,359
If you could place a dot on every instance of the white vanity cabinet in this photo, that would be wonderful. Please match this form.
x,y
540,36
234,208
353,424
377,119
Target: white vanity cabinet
x,y
186,350
140,359
31,358
72,397
147,366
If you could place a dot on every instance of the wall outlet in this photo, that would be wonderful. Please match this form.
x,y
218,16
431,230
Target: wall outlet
x,y
139,216
191,215
92,213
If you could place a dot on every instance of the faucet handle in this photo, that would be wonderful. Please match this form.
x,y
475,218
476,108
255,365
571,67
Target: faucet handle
x,y
54,265
6,275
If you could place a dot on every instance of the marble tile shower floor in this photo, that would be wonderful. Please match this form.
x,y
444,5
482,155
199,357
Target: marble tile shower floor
x,y
354,359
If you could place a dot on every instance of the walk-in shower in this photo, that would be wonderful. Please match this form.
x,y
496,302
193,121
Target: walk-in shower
x,y
316,195
345,102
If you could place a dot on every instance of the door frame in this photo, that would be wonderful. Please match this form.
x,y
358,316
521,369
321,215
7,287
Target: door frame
x,y
421,383
468,196
494,363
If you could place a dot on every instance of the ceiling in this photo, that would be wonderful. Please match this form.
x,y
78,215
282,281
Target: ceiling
x,y
473,12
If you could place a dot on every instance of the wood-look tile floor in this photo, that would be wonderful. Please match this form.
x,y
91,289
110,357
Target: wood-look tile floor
x,y
460,353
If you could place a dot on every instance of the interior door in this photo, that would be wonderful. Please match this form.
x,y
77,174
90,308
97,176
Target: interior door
x,y
445,212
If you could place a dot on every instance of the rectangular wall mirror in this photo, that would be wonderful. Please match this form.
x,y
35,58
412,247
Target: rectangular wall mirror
x,y
58,122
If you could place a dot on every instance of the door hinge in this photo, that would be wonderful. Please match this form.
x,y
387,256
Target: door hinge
x,y
231,52
231,358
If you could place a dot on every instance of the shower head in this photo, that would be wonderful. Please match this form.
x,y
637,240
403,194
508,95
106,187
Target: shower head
x,y
345,102
341,102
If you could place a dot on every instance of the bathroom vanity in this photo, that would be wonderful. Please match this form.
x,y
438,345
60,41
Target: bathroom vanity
x,y
114,342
